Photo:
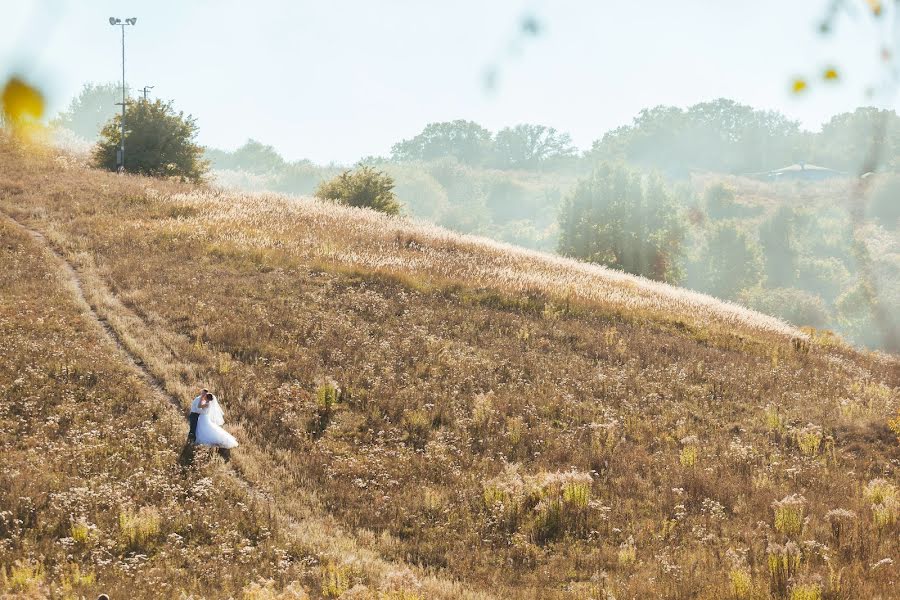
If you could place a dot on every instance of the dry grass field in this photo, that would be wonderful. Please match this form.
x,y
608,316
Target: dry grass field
x,y
421,414
91,490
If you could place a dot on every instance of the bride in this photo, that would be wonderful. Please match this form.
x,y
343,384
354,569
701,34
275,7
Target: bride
x,y
209,425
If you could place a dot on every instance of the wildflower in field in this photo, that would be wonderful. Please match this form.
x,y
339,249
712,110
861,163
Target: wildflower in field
x,y
839,519
689,451
884,500
789,514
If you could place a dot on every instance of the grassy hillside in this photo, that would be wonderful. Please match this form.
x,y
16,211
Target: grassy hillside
x,y
431,413
91,491
790,249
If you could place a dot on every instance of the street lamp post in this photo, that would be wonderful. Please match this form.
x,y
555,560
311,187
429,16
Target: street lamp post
x,y
120,159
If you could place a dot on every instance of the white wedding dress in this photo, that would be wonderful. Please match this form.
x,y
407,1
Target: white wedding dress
x,y
209,428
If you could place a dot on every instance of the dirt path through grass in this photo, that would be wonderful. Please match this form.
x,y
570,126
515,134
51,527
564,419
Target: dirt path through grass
x,y
254,470
75,285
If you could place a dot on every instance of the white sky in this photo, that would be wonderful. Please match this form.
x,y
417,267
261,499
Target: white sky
x,y
340,79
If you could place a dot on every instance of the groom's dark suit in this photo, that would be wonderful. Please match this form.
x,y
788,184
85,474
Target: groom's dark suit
x,y
193,417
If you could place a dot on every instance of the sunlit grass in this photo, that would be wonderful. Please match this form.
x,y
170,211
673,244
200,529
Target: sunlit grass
x,y
429,415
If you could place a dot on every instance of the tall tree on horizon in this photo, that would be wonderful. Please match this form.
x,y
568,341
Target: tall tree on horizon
x,y
91,109
467,141
528,146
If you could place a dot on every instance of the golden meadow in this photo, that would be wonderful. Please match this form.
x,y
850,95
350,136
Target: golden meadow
x,y
422,414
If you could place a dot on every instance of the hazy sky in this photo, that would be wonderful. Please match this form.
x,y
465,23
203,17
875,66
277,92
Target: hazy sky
x,y
339,79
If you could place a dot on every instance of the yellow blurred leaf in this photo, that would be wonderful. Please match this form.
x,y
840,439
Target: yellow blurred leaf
x,y
875,7
21,102
830,74
798,85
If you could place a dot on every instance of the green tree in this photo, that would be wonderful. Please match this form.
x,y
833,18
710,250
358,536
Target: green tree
x,y
528,146
466,205
776,237
365,187
731,262
158,142
720,135
468,142
621,220
91,109
847,140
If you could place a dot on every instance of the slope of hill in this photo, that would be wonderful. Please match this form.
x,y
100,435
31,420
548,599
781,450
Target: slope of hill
x,y
504,421
91,490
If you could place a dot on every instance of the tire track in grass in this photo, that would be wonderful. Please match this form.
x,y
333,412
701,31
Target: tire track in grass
x,y
296,518
73,282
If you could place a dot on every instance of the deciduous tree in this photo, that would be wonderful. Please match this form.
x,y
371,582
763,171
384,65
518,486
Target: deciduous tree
x,y
91,109
158,142
622,220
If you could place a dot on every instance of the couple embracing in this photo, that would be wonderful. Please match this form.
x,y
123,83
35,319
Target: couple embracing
x,y
206,420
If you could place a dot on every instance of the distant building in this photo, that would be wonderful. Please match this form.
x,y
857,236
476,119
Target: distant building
x,y
799,172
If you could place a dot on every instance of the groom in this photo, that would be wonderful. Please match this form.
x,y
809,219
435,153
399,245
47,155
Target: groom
x,y
196,411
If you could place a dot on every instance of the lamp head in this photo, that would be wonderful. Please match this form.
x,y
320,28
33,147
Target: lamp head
x,y
114,21
131,21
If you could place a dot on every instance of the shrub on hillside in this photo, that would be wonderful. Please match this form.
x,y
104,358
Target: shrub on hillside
x,y
526,233
365,188
510,198
158,142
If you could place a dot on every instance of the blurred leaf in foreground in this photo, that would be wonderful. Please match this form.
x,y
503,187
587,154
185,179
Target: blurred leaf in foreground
x,y
21,103
875,7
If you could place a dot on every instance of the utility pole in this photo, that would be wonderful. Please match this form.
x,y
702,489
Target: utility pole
x,y
146,90
120,159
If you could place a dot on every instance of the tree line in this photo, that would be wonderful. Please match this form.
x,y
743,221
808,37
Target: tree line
x,y
721,136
